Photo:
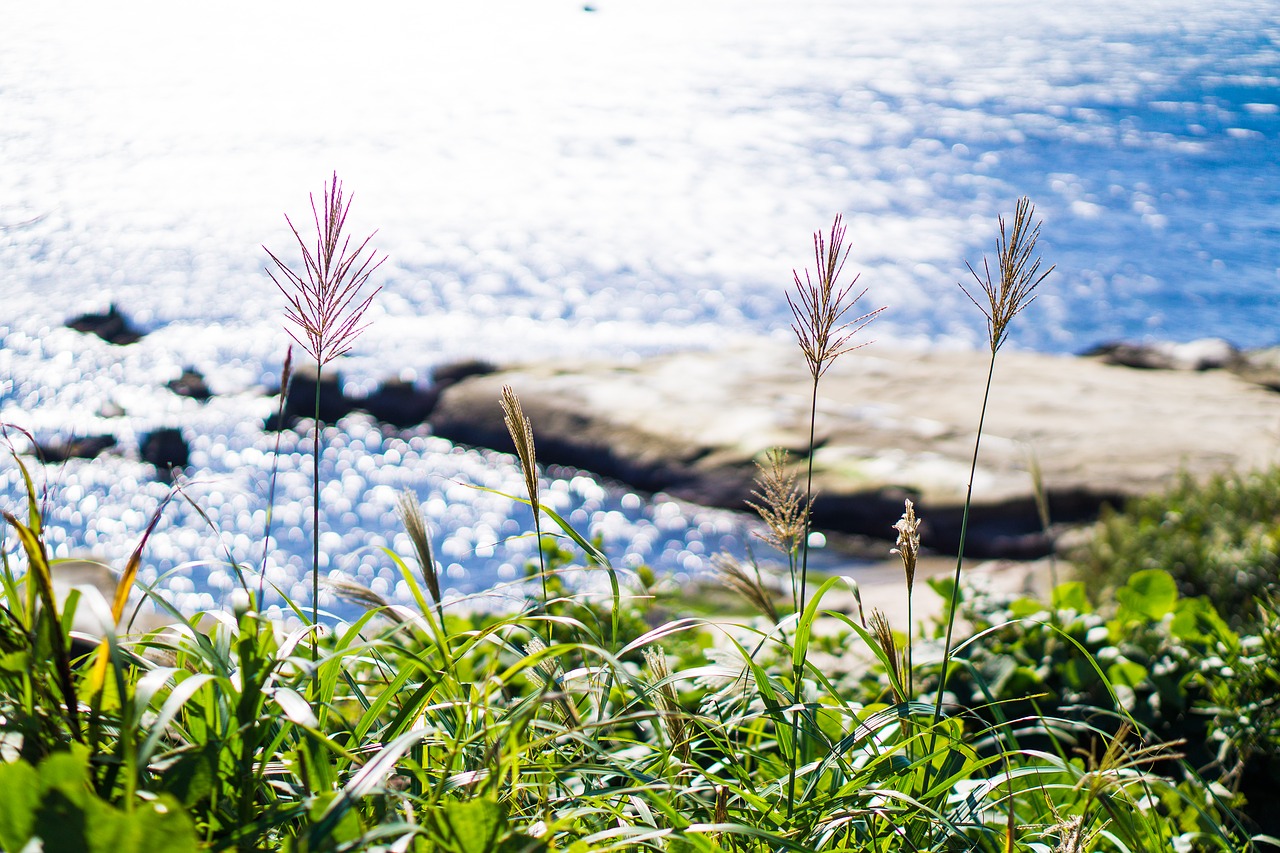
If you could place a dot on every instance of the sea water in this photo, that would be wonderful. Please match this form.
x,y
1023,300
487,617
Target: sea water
x,y
594,182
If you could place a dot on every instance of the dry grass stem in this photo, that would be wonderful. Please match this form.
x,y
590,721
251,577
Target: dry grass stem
x,y
908,549
819,306
522,436
780,503
325,299
735,575
1019,274
415,526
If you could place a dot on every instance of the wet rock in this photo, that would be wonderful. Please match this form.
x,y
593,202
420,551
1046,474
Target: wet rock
x,y
62,449
190,384
165,448
113,327
890,425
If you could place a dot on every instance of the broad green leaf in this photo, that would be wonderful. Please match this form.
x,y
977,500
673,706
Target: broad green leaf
x,y
1150,594
1071,595
19,796
471,826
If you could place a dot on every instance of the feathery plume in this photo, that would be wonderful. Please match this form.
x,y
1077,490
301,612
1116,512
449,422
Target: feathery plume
x,y
668,702
908,549
819,306
781,505
415,525
1019,274
735,576
325,302
522,436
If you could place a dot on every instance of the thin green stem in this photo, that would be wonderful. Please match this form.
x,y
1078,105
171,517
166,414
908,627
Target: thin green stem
x,y
964,528
315,523
808,497
802,595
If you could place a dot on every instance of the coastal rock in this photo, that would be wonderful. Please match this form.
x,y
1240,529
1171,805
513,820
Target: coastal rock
x,y
890,425
399,403
113,327
1202,354
396,402
300,401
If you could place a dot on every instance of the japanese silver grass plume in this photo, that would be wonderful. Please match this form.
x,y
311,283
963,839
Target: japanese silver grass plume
x,y
883,634
1019,274
819,306
779,503
908,545
522,436
325,297
415,526
747,584
668,702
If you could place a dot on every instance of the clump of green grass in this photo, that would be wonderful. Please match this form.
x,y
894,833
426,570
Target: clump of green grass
x,y
573,724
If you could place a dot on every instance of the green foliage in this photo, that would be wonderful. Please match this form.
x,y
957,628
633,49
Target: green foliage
x,y
54,805
1219,539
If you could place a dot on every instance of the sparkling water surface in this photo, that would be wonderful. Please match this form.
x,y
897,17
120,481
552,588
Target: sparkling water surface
x,y
551,181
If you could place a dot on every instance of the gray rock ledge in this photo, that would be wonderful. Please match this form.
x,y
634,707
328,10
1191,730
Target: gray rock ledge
x,y
892,423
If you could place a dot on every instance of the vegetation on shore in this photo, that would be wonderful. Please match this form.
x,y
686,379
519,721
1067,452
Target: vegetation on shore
x,y
582,723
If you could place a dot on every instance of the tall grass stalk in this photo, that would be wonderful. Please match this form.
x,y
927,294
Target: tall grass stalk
x,y
819,306
1006,295
326,306
521,431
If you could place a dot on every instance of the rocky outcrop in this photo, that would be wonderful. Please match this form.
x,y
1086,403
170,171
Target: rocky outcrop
x,y
890,425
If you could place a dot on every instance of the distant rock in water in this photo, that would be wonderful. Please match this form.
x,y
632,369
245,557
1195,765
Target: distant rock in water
x,y
396,402
399,403
165,448
113,327
1203,354
190,384
60,450
300,400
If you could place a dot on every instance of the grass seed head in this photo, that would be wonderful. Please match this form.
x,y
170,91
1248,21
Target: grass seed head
x,y
819,306
415,525
780,504
747,584
326,303
1019,274
908,549
522,436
